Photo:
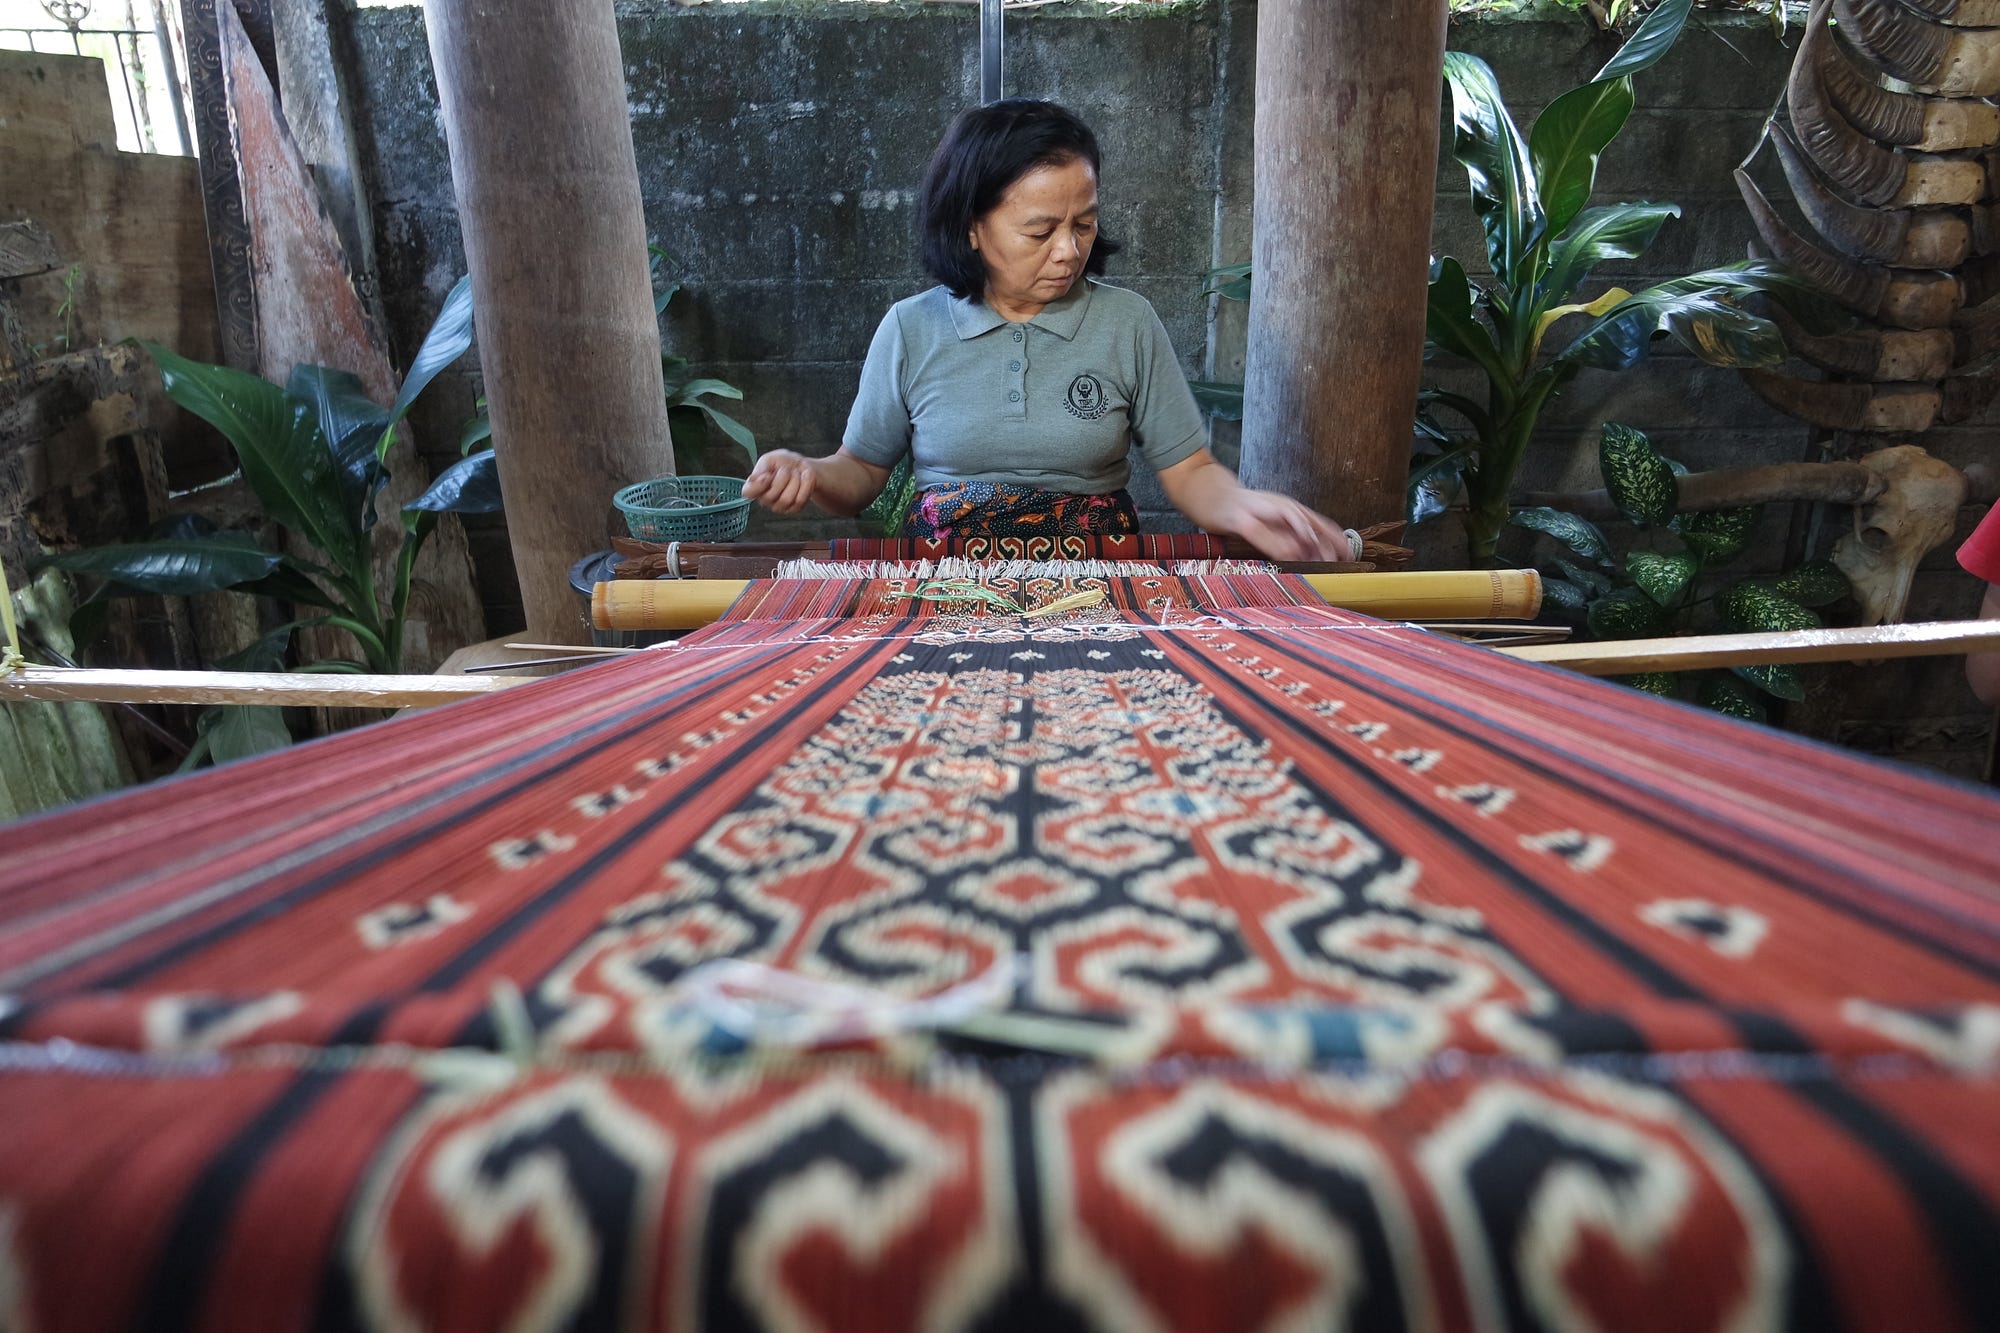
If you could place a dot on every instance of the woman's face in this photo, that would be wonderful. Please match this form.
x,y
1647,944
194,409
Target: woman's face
x,y
1036,239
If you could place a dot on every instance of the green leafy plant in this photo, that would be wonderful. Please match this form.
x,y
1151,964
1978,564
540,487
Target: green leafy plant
x,y
1542,244
1649,593
689,417
314,455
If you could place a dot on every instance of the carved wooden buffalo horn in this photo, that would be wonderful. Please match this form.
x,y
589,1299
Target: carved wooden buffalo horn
x,y
1959,62
1916,356
1867,233
1933,124
1905,409
1858,167
1862,288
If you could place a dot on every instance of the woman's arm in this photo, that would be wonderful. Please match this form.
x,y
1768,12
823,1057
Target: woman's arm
x,y
1277,525
843,484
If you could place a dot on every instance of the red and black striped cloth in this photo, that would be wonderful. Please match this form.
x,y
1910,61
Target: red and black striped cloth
x,y
1284,969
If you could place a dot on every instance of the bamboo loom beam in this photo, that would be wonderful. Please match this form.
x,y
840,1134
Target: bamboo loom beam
x,y
1631,656
1454,594
112,686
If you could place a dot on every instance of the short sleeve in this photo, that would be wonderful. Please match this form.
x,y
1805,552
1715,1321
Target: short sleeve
x,y
878,425
1981,553
1167,427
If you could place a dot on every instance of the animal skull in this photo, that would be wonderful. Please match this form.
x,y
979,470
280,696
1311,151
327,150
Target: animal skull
x,y
1914,512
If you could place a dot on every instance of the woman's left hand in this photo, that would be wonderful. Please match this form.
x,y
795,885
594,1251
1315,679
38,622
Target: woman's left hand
x,y
1284,529
1277,525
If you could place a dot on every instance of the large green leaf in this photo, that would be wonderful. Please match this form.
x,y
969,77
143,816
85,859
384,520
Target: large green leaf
x,y
1580,535
179,566
469,486
1725,693
1627,614
1231,282
1753,606
1218,399
1664,578
1560,595
353,424
731,427
672,288
1486,141
1566,141
1450,323
1700,314
1719,534
1666,684
1635,476
1616,231
450,335
1654,37
278,441
1433,480
238,731
1815,583
266,654
1590,580
1783,679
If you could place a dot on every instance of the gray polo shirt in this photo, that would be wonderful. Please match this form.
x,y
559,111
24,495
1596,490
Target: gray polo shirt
x,y
1056,402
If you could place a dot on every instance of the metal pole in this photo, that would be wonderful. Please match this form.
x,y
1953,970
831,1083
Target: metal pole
x,y
992,50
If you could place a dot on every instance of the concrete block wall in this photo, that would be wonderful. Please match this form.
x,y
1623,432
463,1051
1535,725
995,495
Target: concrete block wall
x,y
780,145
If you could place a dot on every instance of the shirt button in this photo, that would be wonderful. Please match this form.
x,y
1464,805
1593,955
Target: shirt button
x,y
1017,335
1013,395
1013,365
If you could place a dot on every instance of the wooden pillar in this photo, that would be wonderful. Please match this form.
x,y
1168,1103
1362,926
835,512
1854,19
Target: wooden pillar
x,y
1348,93
548,196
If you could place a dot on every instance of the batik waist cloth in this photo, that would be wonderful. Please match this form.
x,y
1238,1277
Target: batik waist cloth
x,y
980,508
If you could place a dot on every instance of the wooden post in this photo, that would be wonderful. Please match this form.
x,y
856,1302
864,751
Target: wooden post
x,y
548,196
1348,93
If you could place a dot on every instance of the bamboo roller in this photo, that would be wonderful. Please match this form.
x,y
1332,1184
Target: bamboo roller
x,y
1450,594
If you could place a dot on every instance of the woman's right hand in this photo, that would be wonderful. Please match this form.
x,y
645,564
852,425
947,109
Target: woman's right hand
x,y
782,481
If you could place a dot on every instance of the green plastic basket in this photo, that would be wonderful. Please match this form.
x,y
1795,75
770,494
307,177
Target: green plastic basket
x,y
685,509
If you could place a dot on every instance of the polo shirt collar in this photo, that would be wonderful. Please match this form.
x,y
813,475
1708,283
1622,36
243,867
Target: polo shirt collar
x,y
1062,317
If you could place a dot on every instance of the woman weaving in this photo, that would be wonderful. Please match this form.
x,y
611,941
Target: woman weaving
x,y
1019,385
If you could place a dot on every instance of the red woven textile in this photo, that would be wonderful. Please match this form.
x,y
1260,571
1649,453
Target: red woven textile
x,y
1272,968
1129,546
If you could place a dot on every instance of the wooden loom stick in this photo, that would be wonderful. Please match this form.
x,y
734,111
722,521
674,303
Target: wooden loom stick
x,y
89,685
1631,656
288,689
630,604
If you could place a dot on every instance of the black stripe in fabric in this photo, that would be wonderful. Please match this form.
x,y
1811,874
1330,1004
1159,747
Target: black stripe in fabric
x,y
647,714
1964,1229
752,751
1657,977
178,1287
1702,828
1810,1306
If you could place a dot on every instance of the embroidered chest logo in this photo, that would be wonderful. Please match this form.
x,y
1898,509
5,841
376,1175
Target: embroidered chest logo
x,y
1085,399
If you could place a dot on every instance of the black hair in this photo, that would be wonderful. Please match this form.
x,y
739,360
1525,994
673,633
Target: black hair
x,y
984,151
